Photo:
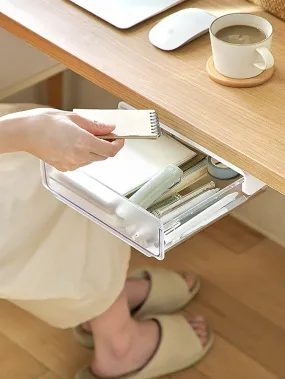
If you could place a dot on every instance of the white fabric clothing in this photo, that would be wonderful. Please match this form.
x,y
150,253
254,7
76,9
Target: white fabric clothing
x,y
54,262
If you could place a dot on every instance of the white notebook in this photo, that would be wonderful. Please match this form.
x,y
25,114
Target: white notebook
x,y
137,162
129,123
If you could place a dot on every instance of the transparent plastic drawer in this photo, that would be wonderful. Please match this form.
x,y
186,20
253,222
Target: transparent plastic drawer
x,y
148,232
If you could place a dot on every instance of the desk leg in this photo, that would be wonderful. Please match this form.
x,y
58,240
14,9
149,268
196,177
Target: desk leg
x,y
54,91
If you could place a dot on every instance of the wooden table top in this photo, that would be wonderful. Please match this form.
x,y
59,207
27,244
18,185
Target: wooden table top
x,y
244,126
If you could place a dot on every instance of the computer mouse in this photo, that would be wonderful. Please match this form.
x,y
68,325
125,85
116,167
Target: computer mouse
x,y
180,28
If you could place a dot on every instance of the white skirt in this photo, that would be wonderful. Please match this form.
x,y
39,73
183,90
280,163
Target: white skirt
x,y
54,262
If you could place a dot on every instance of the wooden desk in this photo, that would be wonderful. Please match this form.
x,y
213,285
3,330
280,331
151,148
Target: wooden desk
x,y
244,126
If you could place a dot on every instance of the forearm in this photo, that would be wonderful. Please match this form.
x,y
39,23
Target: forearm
x,y
12,133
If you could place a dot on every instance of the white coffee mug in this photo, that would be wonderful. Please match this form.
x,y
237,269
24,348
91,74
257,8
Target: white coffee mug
x,y
241,61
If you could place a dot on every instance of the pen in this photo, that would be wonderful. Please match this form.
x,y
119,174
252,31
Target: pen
x,y
193,211
185,207
164,209
198,208
215,215
163,204
201,217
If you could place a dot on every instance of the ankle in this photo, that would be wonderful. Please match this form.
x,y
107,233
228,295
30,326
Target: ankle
x,y
112,351
118,344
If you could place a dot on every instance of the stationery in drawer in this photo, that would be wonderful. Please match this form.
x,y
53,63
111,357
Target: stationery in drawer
x,y
171,202
189,177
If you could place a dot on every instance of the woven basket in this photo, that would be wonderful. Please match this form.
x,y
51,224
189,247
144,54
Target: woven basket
x,y
276,7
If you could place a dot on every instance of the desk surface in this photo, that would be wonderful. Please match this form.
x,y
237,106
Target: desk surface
x,y
244,126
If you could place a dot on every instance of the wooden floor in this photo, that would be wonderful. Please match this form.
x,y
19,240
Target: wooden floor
x,y
242,295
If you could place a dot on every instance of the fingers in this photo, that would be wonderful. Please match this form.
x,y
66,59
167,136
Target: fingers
x,y
100,129
98,146
92,127
105,148
83,147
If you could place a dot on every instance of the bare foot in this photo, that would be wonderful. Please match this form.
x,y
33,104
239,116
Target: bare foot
x,y
133,354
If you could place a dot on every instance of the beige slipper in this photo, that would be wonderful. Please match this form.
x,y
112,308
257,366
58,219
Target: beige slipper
x,y
179,348
168,294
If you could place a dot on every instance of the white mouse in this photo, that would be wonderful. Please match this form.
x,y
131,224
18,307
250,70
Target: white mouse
x,y
180,27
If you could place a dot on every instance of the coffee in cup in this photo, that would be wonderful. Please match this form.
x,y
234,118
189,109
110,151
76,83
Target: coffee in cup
x,y
241,45
241,34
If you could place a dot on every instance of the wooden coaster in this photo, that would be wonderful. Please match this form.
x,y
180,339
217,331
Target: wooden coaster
x,y
238,83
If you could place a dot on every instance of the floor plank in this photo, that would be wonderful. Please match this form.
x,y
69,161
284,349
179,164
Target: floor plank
x,y
17,363
268,257
234,235
226,361
54,348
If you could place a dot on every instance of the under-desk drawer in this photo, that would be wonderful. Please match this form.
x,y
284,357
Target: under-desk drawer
x,y
149,232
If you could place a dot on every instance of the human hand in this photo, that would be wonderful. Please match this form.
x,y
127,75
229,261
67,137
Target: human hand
x,y
66,140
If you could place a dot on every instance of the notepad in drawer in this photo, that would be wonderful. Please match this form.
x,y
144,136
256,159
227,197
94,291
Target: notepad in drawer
x,y
137,162
142,124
